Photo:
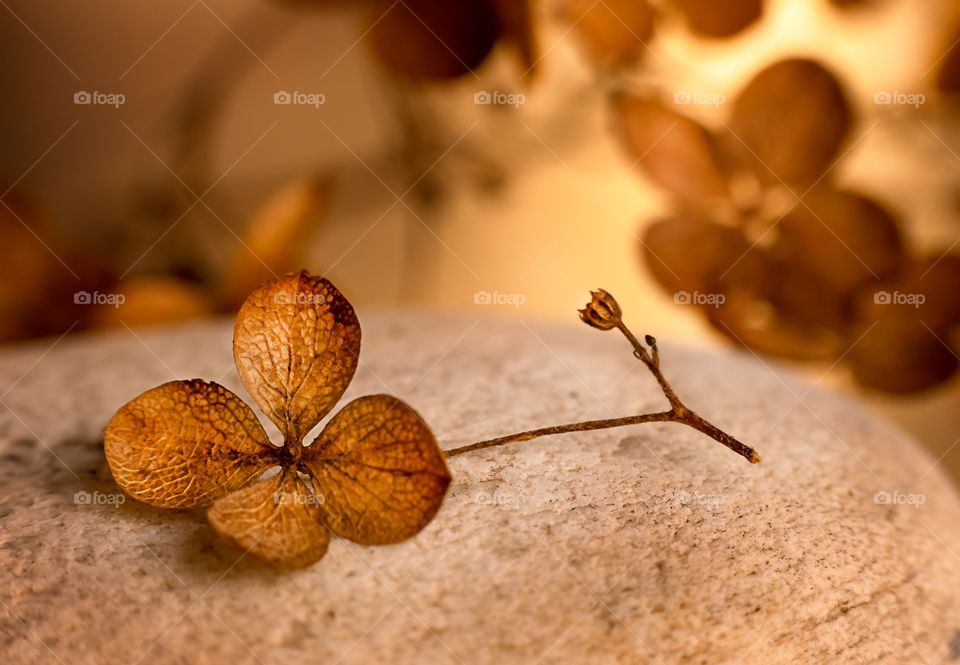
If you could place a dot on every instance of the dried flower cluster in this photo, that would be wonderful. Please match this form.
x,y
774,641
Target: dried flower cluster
x,y
374,475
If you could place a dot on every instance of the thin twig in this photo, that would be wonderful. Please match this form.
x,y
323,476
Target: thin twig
x,y
607,319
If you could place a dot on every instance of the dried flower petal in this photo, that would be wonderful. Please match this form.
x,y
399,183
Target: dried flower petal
x,y
843,238
184,444
424,40
379,474
790,121
276,520
676,151
614,31
720,19
517,27
277,237
296,344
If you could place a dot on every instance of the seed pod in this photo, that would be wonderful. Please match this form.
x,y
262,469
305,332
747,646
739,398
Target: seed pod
x,y
615,32
691,254
602,312
789,121
424,40
842,238
674,150
719,19
897,356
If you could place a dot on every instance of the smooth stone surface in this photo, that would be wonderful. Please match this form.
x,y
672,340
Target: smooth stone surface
x,y
651,544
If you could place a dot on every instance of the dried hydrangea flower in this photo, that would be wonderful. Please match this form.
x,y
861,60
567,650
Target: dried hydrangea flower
x,y
374,475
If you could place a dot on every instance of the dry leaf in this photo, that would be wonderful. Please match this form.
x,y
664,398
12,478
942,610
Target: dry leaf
x,y
789,121
424,40
673,149
184,444
378,471
720,19
296,344
276,520
615,32
274,241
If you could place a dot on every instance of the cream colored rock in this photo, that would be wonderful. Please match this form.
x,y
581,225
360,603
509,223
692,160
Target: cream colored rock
x,y
651,544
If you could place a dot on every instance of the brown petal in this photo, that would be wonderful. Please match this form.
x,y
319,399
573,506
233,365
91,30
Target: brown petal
x,y
673,149
923,290
379,473
843,238
276,520
948,78
687,253
614,31
184,444
277,237
901,356
424,40
517,27
720,19
296,344
789,121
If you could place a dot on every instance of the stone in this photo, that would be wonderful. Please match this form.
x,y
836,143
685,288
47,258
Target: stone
x,y
648,544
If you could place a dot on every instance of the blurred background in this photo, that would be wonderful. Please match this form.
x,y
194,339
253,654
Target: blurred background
x,y
775,176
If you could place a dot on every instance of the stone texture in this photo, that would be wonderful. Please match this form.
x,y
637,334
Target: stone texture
x,y
651,544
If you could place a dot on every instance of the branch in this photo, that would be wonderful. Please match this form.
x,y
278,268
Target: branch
x,y
604,313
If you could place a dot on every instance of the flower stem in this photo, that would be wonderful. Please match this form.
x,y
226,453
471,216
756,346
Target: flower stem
x,y
678,413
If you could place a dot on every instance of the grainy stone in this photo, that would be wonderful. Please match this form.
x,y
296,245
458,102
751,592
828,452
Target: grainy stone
x,y
651,544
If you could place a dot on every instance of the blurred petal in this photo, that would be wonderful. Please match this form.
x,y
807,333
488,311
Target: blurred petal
x,y
789,121
185,443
